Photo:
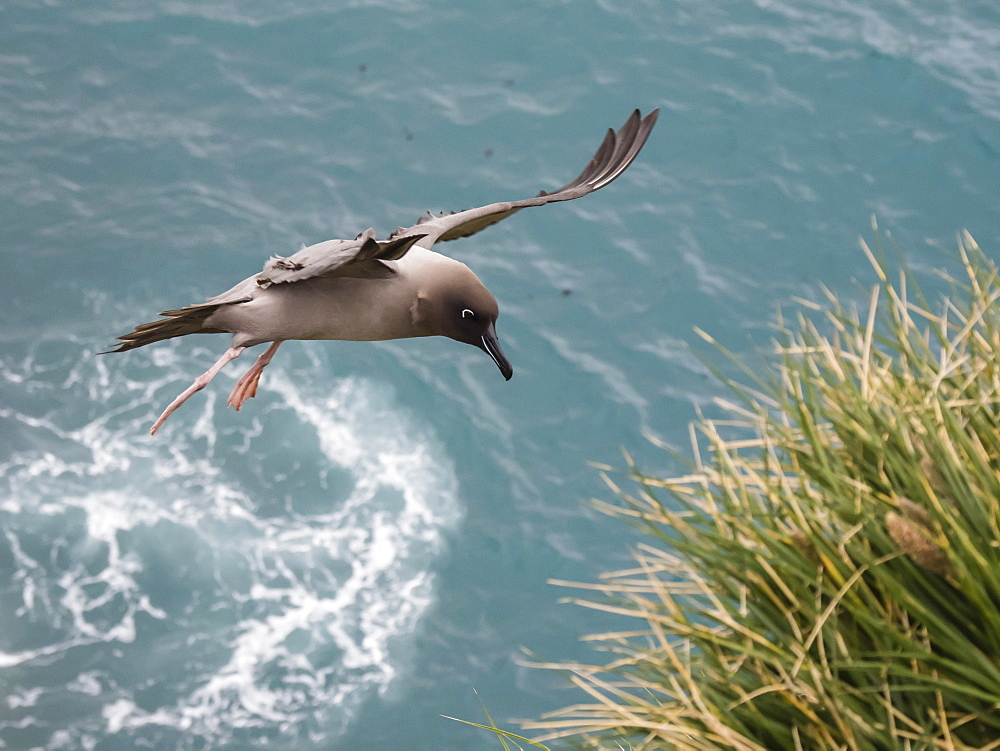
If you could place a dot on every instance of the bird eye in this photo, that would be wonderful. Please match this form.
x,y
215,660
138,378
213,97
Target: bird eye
x,y
468,314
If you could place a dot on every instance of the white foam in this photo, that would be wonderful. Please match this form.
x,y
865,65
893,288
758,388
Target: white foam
x,y
297,617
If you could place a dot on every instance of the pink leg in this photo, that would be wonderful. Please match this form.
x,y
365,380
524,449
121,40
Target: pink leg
x,y
199,383
246,387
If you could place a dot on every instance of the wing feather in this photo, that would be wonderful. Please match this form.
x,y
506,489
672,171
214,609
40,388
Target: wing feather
x,y
615,154
334,256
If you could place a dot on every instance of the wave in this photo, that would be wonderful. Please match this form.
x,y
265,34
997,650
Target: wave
x,y
213,585
950,40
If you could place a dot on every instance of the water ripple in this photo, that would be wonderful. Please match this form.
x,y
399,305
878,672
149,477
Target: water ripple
x,y
293,596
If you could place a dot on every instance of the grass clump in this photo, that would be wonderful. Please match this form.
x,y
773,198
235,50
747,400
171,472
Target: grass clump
x,y
828,574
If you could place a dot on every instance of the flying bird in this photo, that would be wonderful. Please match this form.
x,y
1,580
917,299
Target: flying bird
x,y
367,289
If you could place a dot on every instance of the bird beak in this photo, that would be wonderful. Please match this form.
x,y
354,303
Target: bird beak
x,y
491,346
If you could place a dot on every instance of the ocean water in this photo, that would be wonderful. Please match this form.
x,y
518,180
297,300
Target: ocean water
x,y
366,545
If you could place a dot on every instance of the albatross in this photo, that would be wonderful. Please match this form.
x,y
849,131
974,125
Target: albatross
x,y
367,289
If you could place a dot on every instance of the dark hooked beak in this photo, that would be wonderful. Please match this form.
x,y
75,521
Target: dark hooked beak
x,y
491,346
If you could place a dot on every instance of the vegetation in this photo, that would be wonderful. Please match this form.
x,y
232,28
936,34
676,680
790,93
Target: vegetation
x,y
827,576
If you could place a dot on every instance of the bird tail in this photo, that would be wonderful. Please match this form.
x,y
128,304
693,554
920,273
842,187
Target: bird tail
x,y
189,320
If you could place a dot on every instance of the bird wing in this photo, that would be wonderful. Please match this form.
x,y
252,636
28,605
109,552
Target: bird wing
x,y
334,257
613,157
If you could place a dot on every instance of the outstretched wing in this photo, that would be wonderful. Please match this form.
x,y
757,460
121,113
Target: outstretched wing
x,y
334,257
612,158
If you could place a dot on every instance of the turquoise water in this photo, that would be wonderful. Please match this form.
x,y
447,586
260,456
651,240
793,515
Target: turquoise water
x,y
369,540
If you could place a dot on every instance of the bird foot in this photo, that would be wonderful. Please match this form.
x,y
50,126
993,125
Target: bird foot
x,y
245,388
199,383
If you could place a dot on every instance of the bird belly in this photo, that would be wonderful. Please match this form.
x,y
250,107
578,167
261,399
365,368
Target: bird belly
x,y
320,308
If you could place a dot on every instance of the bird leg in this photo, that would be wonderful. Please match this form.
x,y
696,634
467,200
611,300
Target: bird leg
x,y
246,387
199,383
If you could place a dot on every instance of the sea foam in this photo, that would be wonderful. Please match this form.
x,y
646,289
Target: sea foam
x,y
252,584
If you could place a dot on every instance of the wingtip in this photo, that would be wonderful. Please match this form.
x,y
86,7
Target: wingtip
x,y
121,346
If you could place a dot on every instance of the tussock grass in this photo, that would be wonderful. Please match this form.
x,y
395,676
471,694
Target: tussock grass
x,y
827,576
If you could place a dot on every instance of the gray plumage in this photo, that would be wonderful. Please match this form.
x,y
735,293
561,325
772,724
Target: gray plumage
x,y
367,289
321,259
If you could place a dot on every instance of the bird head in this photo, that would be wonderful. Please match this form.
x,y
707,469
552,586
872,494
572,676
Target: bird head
x,y
457,305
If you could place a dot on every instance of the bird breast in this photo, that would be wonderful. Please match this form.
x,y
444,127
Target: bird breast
x,y
354,309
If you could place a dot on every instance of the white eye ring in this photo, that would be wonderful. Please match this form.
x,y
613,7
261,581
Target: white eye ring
x,y
468,314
